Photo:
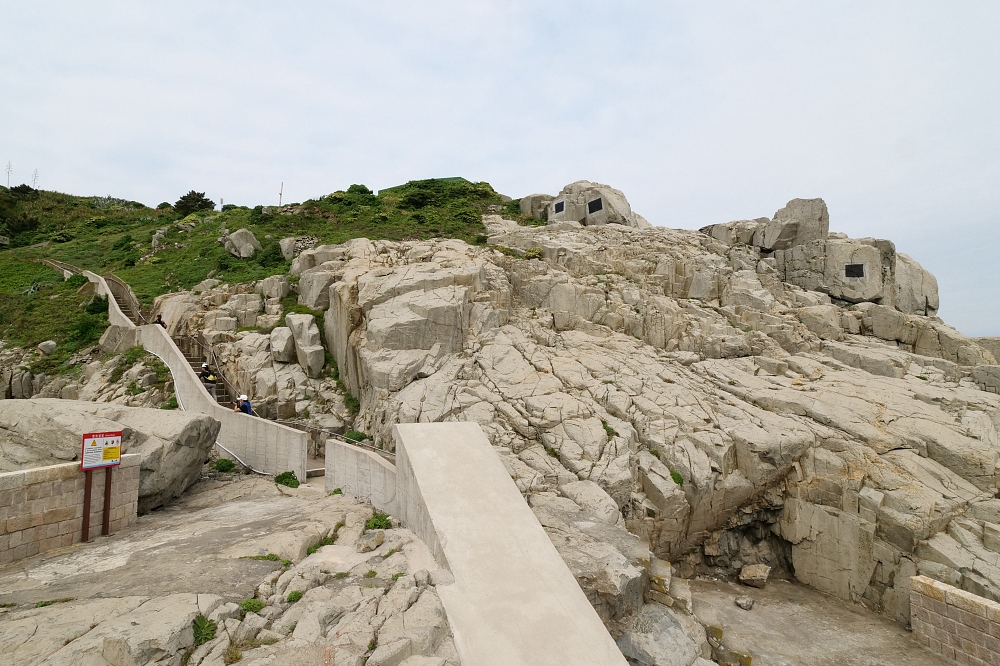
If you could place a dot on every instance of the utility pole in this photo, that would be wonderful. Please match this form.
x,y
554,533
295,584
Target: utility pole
x,y
280,192
9,169
34,180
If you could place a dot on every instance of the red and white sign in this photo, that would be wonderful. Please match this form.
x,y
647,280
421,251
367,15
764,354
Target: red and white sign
x,y
101,449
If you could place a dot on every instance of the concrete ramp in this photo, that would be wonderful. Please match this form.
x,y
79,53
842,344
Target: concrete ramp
x,y
514,602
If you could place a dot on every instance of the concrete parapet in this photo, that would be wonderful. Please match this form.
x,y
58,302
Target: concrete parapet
x,y
364,474
41,509
514,601
953,623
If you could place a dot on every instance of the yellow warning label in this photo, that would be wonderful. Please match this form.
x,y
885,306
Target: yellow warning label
x,y
112,453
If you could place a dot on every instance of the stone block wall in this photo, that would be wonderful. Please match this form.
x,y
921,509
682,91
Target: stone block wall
x,y
41,509
953,623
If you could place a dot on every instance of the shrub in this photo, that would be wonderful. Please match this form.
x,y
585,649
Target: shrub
x,y
98,306
76,281
251,605
170,404
534,253
678,479
204,630
224,465
371,574
231,655
287,479
325,541
61,237
293,596
228,207
355,436
352,404
378,521
337,491
192,202
608,429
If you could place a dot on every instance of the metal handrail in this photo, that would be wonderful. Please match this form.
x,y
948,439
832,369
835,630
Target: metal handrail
x,y
301,425
116,284
213,362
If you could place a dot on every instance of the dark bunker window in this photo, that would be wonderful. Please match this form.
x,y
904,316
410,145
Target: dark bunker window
x,y
854,270
560,206
595,206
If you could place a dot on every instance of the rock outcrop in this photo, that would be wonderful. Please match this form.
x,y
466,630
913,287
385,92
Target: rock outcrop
x,y
589,204
174,445
241,243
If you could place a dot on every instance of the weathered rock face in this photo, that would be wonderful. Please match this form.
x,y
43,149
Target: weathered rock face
x,y
174,445
241,243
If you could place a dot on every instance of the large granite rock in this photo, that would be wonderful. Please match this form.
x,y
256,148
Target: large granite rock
x,y
241,243
173,444
590,204
308,344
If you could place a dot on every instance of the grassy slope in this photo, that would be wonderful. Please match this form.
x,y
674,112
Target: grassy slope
x,y
112,235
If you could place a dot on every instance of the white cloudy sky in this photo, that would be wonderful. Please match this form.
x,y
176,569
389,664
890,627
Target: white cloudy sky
x,y
700,112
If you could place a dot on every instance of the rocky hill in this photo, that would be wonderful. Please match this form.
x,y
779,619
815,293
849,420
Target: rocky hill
x,y
757,392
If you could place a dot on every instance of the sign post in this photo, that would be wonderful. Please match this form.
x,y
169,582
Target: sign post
x,y
100,449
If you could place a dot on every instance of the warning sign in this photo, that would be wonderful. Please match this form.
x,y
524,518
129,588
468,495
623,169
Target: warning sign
x,y
101,449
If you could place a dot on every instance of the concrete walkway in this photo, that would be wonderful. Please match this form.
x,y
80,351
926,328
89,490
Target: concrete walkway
x,y
194,544
793,625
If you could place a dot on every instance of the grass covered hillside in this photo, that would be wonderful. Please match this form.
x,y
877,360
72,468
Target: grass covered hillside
x,y
109,235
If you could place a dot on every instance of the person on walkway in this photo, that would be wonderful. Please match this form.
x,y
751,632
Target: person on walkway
x,y
159,320
244,406
208,378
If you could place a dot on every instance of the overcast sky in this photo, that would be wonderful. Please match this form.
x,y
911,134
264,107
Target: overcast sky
x,y
700,112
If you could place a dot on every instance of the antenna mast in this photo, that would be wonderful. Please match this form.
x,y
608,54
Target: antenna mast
x,y
280,192
8,170
34,179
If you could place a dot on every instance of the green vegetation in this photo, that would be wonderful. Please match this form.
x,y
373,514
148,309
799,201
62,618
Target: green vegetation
x,y
251,605
224,465
678,479
371,574
397,576
342,574
106,234
192,202
534,253
325,541
204,629
378,521
355,436
655,452
293,596
923,378
337,491
608,429
270,557
170,404
231,655
287,479
61,600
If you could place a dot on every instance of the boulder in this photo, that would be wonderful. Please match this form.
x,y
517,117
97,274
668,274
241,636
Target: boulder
x,y
914,289
755,575
308,345
822,320
536,205
799,222
282,345
275,286
173,444
241,243
287,246
47,347
592,204
314,286
655,637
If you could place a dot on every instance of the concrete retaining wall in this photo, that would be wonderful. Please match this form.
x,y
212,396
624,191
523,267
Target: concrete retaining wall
x,y
953,623
41,509
364,474
514,601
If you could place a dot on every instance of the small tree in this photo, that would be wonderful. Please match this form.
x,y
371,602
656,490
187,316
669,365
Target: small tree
x,y
193,202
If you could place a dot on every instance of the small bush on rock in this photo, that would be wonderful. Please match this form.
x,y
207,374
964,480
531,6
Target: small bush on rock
x,y
204,630
378,521
678,479
287,479
224,465
534,253
355,436
294,596
251,605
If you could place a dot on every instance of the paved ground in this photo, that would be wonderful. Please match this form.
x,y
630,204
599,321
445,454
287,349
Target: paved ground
x,y
792,625
195,544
